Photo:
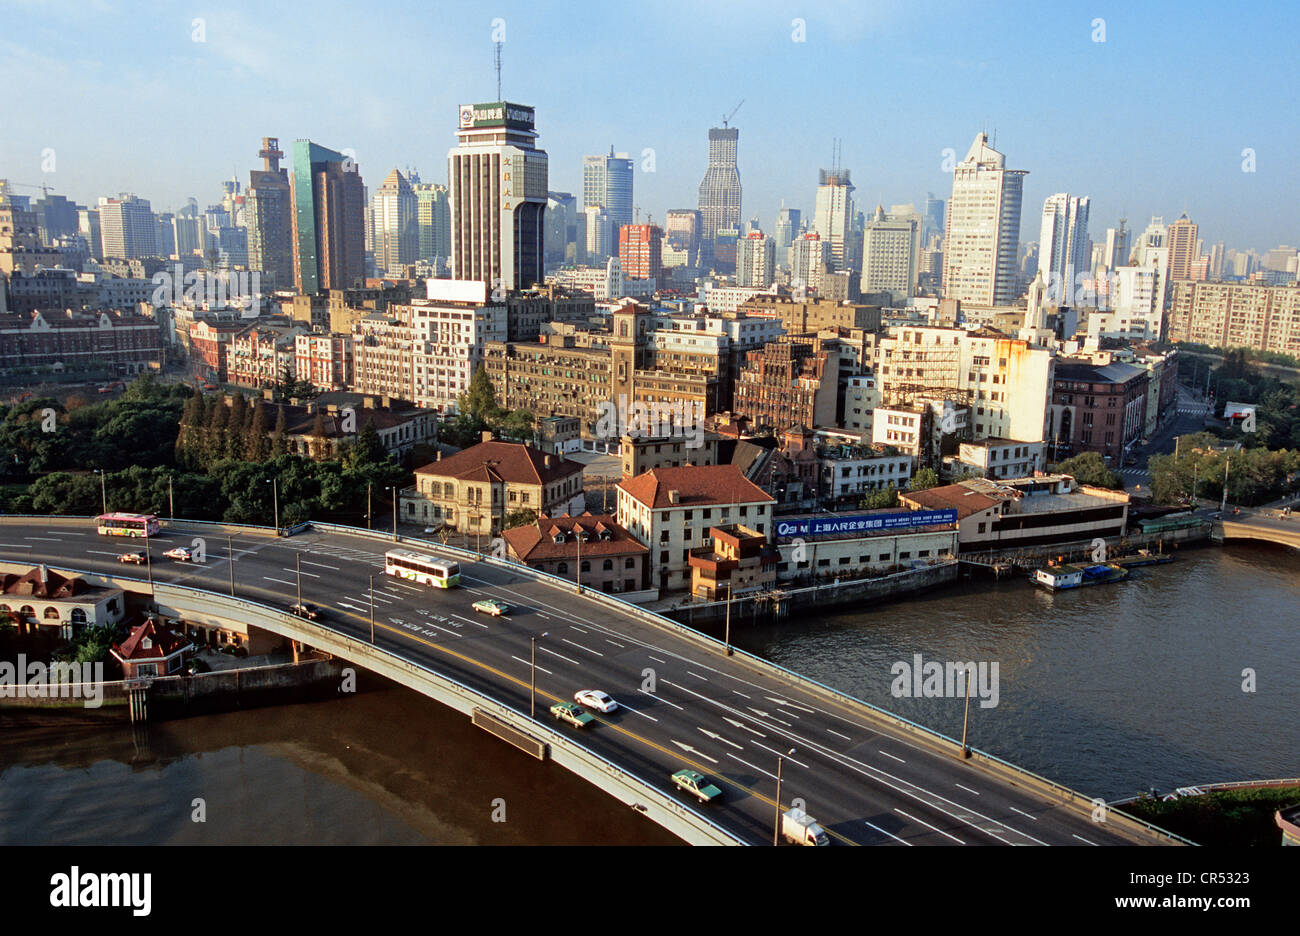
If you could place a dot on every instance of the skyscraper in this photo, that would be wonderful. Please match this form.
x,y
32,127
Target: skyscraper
x,y
787,228
720,188
1181,241
1115,253
498,189
682,237
607,184
982,228
1063,251
933,216
433,213
834,214
755,260
890,252
128,227
640,250
561,228
329,207
397,225
268,207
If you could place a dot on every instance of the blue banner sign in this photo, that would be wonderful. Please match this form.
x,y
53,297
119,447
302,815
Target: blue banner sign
x,y
870,523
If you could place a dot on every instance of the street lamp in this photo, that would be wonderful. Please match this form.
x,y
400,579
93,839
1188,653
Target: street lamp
x,y
532,691
727,637
970,672
577,530
103,490
171,500
369,486
393,488
275,501
298,556
776,827
230,561
372,608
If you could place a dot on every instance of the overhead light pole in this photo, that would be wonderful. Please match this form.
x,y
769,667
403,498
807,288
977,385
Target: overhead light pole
x,y
394,490
103,490
727,636
275,501
532,690
776,827
230,561
372,609
965,722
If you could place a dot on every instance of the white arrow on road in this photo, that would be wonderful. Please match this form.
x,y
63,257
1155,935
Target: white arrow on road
x,y
718,737
741,724
788,704
687,747
761,714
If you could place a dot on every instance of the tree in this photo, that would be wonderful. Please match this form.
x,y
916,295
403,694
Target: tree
x,y
519,517
1090,468
924,479
480,400
257,446
880,500
279,443
236,429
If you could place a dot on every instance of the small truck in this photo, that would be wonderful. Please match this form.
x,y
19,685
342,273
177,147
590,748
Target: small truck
x,y
802,829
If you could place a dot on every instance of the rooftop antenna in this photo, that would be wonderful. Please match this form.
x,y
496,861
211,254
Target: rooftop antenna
x,y
732,114
498,63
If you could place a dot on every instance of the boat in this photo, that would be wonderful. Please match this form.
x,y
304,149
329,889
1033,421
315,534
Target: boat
x,y
1061,577
1143,557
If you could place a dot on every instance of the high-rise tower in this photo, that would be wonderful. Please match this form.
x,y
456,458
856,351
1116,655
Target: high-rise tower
x,y
720,189
268,206
982,228
607,184
329,207
1063,252
497,185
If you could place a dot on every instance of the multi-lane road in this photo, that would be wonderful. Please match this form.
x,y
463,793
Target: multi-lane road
x,y
682,704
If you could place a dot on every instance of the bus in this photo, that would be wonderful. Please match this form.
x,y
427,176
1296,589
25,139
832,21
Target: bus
x,y
127,524
418,567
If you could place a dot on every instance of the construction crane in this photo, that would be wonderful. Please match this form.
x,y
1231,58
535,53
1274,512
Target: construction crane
x,y
733,113
45,189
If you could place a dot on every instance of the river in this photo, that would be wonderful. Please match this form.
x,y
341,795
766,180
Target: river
x,y
1111,690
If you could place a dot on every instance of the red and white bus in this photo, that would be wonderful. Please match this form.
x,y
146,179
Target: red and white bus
x,y
127,524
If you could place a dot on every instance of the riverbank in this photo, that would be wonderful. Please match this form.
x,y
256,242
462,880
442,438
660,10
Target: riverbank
x,y
1231,818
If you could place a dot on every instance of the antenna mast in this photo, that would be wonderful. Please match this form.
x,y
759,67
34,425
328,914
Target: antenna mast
x,y
498,63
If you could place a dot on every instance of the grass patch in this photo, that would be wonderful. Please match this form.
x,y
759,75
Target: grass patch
x,y
1228,817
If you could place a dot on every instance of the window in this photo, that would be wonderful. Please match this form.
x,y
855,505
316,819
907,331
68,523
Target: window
x,y
586,565
823,562
608,565
629,563
844,560
904,555
562,569
980,528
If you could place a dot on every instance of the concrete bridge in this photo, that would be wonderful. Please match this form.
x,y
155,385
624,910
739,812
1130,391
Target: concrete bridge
x,y
1266,525
868,776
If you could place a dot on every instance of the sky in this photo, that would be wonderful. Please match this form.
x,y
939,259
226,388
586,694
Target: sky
x,y
166,99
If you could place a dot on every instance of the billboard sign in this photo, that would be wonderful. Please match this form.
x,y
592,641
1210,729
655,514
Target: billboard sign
x,y
863,523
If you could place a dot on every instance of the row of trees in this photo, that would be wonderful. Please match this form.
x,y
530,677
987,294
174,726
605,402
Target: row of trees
x,y
479,412
1254,475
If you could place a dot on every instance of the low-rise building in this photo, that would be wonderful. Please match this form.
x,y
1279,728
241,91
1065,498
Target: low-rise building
x,y
738,560
152,650
996,458
44,600
670,510
821,546
592,548
473,490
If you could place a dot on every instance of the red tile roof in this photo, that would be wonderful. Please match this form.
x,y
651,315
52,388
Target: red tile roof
x,y
40,582
162,643
696,485
511,462
536,542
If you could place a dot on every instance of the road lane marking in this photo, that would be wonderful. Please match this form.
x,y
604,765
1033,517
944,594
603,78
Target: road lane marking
x,y
312,574
21,546
749,765
887,754
927,825
98,552
581,647
281,581
526,663
838,735
52,539
577,628
560,655
784,712
615,643
687,747
1023,813
739,693
781,755
717,737
697,675
969,790
742,725
790,704
1084,840
657,660
642,714
664,701
321,565
470,620
890,834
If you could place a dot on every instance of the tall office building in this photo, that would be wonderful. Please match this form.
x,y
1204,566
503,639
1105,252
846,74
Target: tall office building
x,y
834,217
329,210
890,252
1063,251
191,238
640,250
433,215
268,207
755,260
498,187
128,227
1115,253
720,188
561,228
934,210
809,258
982,228
397,225
56,217
1181,241
682,237
787,228
1216,261
607,184
600,240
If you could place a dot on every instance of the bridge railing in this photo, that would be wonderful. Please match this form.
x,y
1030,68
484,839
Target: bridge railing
x,y
295,628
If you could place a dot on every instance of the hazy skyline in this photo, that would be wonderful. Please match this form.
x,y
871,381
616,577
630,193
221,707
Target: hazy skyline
x,y
1152,121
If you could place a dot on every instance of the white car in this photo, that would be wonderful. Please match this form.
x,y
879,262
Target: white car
x,y
180,552
595,699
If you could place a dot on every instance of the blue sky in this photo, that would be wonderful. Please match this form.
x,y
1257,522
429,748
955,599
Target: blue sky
x,y
1151,121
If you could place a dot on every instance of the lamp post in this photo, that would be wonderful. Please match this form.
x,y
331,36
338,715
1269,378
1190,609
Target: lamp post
x,y
275,501
171,500
372,608
298,557
965,751
148,559
369,486
230,561
1227,462
532,690
103,490
577,530
776,825
393,489
727,636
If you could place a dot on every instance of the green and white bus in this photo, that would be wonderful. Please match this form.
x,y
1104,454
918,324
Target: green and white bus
x,y
425,569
